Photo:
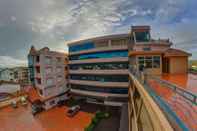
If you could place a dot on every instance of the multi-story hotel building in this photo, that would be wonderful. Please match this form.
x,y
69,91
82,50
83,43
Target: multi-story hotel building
x,y
98,68
47,74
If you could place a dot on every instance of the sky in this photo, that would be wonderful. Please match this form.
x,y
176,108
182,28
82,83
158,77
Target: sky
x,y
54,22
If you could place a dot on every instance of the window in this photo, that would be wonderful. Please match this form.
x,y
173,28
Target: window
x,y
100,66
148,62
123,53
141,63
101,44
59,59
83,46
101,78
41,92
48,60
59,69
142,36
37,58
156,61
119,42
146,49
37,69
117,90
38,80
48,70
59,78
49,82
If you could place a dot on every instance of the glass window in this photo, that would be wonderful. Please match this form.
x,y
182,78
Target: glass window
x,y
38,81
37,69
102,78
48,60
101,66
48,70
49,82
59,69
37,58
142,36
117,90
156,61
100,55
58,59
59,78
148,62
83,46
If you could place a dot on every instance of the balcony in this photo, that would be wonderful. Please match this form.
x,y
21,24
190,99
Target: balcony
x,y
110,48
101,84
101,72
116,59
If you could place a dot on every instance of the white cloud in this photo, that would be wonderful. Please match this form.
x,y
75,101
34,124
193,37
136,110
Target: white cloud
x,y
7,61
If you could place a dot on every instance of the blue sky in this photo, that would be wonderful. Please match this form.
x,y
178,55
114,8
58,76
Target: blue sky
x,y
53,22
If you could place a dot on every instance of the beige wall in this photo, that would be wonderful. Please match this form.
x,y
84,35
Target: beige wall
x,y
178,65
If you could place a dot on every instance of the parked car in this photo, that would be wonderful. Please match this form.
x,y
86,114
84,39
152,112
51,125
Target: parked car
x,y
37,107
73,111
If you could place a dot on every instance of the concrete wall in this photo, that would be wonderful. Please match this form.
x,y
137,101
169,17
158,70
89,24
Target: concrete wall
x,y
54,101
9,88
178,65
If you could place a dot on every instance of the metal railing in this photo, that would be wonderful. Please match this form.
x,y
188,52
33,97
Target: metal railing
x,y
175,121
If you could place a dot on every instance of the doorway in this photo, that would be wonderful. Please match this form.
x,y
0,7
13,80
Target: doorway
x,y
165,65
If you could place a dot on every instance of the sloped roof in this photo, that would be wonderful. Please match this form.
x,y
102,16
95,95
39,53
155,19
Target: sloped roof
x,y
175,52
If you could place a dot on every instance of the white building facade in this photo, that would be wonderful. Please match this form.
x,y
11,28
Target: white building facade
x,y
48,71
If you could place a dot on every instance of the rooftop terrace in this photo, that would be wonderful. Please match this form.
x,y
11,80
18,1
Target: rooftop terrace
x,y
185,109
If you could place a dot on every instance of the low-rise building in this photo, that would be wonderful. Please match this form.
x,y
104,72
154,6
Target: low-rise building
x,y
7,74
47,75
16,74
21,75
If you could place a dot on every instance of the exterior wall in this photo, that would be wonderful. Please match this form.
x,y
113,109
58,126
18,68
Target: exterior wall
x,y
178,65
105,45
52,74
152,46
9,88
53,102
53,71
7,75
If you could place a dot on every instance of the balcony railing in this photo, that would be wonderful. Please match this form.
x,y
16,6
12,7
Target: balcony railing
x,y
140,83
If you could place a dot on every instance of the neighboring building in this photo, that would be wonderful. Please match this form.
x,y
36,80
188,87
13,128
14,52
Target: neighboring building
x,y
98,68
47,75
9,87
21,75
7,74
156,56
17,74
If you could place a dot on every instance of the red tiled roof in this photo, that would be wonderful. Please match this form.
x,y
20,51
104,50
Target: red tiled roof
x,y
175,52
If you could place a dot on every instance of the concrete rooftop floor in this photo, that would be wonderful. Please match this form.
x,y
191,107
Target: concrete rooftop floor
x,y
186,111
